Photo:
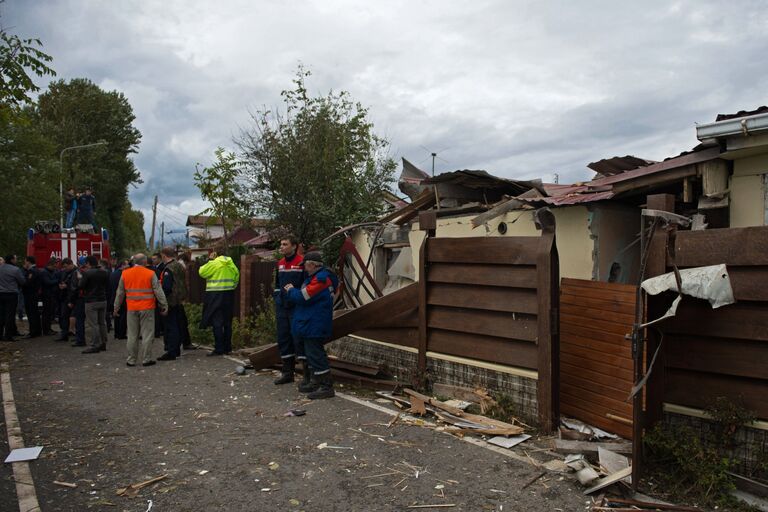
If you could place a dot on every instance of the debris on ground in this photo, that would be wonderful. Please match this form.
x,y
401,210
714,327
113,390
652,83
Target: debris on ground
x,y
459,422
621,504
65,484
295,412
133,489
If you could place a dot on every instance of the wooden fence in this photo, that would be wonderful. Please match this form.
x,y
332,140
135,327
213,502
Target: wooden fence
x,y
710,353
595,356
255,284
492,299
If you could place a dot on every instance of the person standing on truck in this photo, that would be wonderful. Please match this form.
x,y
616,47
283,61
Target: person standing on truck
x,y
140,288
11,279
70,203
31,289
86,208
94,287
221,278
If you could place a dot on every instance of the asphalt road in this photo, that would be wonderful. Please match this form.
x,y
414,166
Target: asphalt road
x,y
224,443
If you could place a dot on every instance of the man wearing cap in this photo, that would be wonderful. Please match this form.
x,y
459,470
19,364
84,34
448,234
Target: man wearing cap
x,y
221,278
140,288
289,271
312,321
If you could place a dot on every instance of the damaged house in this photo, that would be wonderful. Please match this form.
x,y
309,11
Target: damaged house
x,y
471,327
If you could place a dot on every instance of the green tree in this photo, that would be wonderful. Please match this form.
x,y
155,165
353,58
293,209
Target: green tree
x,y
318,165
29,174
79,112
219,185
18,58
133,230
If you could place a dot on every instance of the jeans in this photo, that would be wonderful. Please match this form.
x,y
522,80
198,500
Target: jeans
x,y
316,356
95,315
70,220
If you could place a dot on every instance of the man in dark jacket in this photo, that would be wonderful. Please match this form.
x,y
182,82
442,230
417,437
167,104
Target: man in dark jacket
x,y
76,302
174,285
289,271
65,312
86,207
94,290
11,279
311,321
121,320
49,279
31,289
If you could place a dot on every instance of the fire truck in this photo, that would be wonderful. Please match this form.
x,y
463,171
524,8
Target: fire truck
x,y
46,241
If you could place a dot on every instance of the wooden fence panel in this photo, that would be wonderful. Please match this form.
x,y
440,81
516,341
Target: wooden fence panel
x,y
709,353
596,369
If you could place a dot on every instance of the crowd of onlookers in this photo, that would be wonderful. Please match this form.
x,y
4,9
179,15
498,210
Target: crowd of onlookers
x,y
63,293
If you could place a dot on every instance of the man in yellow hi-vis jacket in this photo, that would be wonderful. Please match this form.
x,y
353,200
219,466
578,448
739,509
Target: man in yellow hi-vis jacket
x,y
221,278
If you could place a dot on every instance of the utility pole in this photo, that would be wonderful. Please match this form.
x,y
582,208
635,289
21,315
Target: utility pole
x,y
162,234
434,155
154,218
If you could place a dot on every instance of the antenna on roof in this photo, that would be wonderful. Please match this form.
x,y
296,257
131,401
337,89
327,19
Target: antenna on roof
x,y
434,154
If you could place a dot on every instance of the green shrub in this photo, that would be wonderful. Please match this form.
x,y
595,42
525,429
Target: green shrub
x,y
258,329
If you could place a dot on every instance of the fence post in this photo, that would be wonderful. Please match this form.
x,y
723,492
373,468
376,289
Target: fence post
x,y
548,320
427,223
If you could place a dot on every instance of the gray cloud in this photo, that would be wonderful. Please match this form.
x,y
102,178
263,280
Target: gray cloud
x,y
521,89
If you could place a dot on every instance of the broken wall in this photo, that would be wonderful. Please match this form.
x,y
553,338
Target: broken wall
x,y
615,230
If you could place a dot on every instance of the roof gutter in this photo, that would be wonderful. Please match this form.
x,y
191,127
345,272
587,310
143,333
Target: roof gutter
x,y
739,126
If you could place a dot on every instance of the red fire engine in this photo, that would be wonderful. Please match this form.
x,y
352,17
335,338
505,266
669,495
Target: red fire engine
x,y
44,242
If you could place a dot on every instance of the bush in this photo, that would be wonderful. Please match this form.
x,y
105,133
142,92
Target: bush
x,y
258,329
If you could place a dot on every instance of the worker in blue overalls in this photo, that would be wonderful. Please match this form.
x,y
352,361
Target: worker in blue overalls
x,y
289,271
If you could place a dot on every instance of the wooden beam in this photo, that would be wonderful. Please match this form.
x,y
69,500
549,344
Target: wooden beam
x,y
369,315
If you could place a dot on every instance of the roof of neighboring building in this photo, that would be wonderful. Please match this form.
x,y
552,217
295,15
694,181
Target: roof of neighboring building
x,y
208,220
742,113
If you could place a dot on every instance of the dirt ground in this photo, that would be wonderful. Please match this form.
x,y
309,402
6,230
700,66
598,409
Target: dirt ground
x,y
225,444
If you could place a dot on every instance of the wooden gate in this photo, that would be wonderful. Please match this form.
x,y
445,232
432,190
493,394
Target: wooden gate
x,y
595,356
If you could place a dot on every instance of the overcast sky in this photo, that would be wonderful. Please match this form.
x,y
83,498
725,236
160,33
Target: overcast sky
x,y
520,89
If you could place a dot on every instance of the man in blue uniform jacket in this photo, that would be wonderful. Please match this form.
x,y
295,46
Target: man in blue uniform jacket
x,y
312,321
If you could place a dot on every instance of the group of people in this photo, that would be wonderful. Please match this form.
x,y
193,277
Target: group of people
x,y
80,206
84,298
146,300
304,296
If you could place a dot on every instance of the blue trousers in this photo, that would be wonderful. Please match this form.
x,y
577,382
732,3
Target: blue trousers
x,y
316,356
222,332
287,343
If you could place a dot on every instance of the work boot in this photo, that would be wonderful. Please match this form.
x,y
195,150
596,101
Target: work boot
x,y
286,374
324,388
308,383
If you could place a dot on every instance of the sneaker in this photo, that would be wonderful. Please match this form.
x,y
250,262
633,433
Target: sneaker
x,y
130,364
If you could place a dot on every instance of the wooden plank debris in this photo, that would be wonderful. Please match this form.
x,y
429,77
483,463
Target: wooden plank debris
x,y
609,480
133,489
567,446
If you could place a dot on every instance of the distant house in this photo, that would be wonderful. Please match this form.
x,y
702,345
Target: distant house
x,y
205,227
